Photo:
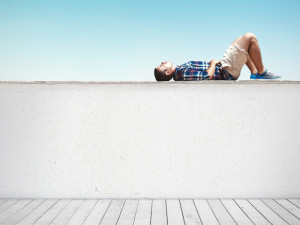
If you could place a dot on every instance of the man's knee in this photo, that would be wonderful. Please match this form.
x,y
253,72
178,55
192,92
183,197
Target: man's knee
x,y
250,36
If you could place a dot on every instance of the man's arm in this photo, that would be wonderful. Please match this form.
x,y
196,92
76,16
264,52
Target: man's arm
x,y
211,69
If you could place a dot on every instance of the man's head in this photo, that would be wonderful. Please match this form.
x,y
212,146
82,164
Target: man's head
x,y
164,71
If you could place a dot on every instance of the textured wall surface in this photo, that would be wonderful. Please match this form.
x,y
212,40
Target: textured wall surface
x,y
150,139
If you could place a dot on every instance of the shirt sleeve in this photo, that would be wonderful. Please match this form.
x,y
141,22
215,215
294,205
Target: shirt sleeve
x,y
192,74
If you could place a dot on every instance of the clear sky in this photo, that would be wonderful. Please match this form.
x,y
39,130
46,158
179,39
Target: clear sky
x,y
94,40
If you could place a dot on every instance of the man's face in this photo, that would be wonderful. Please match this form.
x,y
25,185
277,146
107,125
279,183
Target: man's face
x,y
164,66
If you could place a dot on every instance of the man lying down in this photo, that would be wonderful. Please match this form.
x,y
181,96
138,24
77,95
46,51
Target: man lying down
x,y
243,50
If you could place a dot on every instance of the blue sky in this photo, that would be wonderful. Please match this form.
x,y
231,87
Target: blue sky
x,y
89,40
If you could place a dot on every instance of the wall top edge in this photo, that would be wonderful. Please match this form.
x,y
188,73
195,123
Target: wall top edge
x,y
155,82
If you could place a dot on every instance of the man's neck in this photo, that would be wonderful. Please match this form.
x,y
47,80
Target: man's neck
x,y
173,70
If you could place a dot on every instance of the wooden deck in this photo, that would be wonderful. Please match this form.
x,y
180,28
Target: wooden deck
x,y
149,211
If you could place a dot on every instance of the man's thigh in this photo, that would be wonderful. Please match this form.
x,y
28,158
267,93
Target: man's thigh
x,y
235,57
243,41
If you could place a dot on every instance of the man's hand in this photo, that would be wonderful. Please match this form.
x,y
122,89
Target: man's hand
x,y
214,61
211,68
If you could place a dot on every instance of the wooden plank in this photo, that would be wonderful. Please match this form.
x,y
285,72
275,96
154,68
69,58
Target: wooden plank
x,y
17,217
206,214
38,212
295,201
4,215
289,206
143,213
220,212
252,213
113,212
235,211
282,212
7,204
189,211
128,213
159,213
83,212
67,212
267,212
53,212
97,212
174,212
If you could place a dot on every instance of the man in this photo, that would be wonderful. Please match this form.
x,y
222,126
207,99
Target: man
x,y
244,49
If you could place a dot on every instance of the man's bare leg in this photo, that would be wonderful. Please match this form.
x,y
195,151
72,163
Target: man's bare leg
x,y
249,42
251,66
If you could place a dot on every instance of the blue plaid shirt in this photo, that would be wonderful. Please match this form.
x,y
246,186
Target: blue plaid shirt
x,y
195,70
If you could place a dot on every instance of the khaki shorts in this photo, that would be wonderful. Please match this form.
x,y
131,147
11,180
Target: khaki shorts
x,y
234,59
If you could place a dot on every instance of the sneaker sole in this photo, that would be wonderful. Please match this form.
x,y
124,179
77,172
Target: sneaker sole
x,y
278,79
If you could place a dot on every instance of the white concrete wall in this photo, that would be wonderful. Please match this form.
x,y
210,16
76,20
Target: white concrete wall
x,y
150,140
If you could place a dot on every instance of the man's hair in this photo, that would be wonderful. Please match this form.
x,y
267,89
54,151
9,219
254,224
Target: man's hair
x,y
161,75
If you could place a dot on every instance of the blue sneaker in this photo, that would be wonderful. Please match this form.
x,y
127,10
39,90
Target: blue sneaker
x,y
253,76
266,75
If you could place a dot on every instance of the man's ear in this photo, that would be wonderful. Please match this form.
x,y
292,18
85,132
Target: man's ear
x,y
168,72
